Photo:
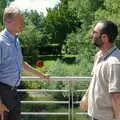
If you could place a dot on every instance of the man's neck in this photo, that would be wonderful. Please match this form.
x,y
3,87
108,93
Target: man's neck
x,y
106,47
12,32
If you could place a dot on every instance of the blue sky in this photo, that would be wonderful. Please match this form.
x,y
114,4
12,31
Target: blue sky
x,y
39,5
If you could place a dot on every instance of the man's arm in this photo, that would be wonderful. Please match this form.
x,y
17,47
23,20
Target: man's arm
x,y
29,68
116,104
84,102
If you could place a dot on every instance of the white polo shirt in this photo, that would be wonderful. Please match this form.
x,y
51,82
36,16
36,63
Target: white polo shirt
x,y
106,79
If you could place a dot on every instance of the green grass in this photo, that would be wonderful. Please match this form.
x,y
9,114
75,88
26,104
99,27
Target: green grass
x,y
67,65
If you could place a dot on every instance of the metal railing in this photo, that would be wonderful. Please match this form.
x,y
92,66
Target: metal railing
x,y
70,102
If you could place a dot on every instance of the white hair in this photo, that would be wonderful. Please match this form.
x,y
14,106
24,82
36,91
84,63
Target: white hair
x,y
10,12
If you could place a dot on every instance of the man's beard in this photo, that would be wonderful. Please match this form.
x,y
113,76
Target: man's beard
x,y
97,42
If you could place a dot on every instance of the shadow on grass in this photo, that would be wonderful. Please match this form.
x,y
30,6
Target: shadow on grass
x,y
68,59
65,58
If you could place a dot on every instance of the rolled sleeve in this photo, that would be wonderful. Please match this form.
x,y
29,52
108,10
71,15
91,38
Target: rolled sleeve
x,y
114,78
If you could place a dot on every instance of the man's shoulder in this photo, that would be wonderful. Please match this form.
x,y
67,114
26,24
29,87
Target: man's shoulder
x,y
116,53
2,41
2,37
114,57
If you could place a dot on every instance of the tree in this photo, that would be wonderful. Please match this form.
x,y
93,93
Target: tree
x,y
32,40
3,4
59,22
36,18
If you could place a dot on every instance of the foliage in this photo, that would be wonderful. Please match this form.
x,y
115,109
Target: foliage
x,y
60,68
36,18
67,24
3,4
59,22
31,39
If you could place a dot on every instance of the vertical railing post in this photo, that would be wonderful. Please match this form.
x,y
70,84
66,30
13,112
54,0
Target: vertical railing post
x,y
69,100
72,94
71,106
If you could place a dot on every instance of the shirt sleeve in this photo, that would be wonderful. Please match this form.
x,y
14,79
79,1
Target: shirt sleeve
x,y
0,55
114,78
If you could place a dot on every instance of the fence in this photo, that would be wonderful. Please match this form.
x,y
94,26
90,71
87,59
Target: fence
x,y
70,102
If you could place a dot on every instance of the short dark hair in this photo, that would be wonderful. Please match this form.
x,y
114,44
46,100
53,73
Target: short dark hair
x,y
110,29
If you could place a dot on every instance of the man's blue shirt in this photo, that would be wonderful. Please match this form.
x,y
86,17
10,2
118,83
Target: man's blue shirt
x,y
10,59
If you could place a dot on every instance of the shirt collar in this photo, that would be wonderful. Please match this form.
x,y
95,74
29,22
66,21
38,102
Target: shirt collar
x,y
11,37
109,52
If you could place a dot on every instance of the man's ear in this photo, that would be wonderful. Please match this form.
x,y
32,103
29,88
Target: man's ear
x,y
104,37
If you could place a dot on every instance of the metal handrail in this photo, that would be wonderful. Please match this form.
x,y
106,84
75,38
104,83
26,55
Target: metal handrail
x,y
70,79
45,113
43,90
48,102
57,78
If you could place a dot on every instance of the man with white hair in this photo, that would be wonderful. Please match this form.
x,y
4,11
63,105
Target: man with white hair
x,y
11,61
